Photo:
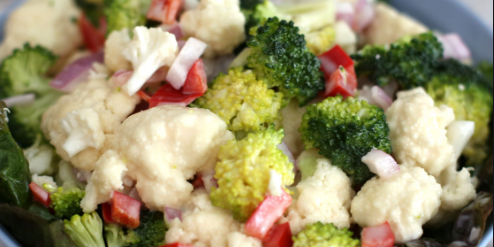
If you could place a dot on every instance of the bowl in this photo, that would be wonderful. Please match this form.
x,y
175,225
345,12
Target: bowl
x,y
453,17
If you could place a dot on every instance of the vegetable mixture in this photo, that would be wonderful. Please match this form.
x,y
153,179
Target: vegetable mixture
x,y
251,123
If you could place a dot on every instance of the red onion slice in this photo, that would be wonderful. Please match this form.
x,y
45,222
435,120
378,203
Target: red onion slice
x,y
209,181
189,54
284,148
174,29
76,73
454,47
459,134
376,96
172,214
121,77
364,15
345,11
20,100
381,163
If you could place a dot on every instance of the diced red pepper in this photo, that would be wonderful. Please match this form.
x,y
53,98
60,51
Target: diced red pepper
x,y
342,82
106,210
144,96
94,39
279,236
197,80
378,236
333,59
169,95
178,245
165,11
198,182
266,214
40,195
125,210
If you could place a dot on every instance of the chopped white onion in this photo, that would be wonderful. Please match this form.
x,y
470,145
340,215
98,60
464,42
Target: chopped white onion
x,y
189,54
275,183
209,181
135,194
284,148
76,73
454,47
381,163
20,100
459,134
172,214
82,175
375,96
364,15
345,11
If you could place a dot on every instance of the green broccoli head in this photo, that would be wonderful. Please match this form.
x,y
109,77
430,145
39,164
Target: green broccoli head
x,y
410,61
243,102
116,237
23,71
488,70
66,202
86,230
25,121
243,172
151,231
469,93
279,57
249,4
345,131
327,235
321,41
122,14
93,10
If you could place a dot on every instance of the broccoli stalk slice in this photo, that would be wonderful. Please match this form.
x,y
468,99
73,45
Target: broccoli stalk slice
x,y
86,230
319,234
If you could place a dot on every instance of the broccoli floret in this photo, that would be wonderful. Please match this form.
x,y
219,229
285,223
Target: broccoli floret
x,y
86,230
321,41
93,10
151,231
410,61
122,14
243,172
249,4
23,71
345,131
243,102
279,57
488,70
116,237
66,202
326,235
469,93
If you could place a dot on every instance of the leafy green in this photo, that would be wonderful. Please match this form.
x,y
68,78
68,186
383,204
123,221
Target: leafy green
x,y
14,168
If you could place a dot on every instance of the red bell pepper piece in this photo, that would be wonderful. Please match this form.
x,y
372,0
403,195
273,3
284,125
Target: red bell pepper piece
x,y
266,214
165,11
144,96
378,236
197,80
342,82
94,39
333,59
40,195
125,210
169,95
177,245
106,210
279,236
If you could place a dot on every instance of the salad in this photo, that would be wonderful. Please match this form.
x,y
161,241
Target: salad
x,y
226,123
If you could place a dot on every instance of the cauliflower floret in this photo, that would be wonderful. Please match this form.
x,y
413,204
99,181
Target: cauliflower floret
x,y
237,239
43,22
324,197
219,23
406,201
148,51
390,25
292,120
114,46
162,148
203,225
345,37
418,131
93,107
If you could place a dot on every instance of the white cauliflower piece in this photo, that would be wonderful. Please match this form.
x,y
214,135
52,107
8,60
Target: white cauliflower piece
x,y
43,22
292,119
42,159
162,148
326,196
418,131
105,179
389,25
218,23
40,180
102,108
115,44
406,201
149,50
201,213
237,239
345,37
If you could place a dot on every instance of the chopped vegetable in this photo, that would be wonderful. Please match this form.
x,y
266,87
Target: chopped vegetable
x,y
381,163
321,41
266,215
66,202
116,237
165,11
342,82
319,234
345,131
242,101
94,39
279,236
454,47
151,232
40,195
167,95
333,59
378,236
188,56
376,96
280,58
86,230
197,81
121,14
172,214
177,245
125,210
243,172
459,134
106,212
